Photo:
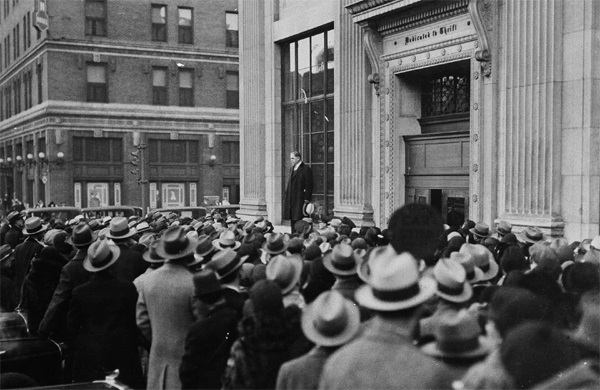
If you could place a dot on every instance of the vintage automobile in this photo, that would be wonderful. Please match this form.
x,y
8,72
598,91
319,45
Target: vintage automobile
x,y
112,211
64,213
197,212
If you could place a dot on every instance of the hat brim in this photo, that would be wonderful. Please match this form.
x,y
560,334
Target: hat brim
x,y
189,249
208,251
526,240
218,246
6,255
493,271
116,252
485,347
477,234
478,276
69,240
278,252
297,274
364,296
363,271
132,232
146,257
350,330
42,229
466,294
327,262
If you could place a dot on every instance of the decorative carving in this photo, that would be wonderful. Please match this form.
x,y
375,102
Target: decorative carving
x,y
475,198
482,15
476,75
373,48
428,55
443,52
475,167
475,137
475,106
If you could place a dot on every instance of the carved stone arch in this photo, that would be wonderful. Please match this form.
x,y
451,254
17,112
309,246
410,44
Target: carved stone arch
x,y
482,14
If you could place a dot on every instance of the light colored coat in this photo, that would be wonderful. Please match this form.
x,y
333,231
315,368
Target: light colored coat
x,y
164,316
384,357
303,372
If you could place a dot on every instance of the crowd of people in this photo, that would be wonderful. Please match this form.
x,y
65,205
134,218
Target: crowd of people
x,y
218,302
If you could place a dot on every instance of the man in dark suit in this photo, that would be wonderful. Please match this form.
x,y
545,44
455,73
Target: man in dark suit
x,y
14,235
131,264
209,340
25,252
299,189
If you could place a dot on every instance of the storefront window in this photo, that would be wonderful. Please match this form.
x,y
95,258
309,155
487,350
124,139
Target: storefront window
x,y
308,95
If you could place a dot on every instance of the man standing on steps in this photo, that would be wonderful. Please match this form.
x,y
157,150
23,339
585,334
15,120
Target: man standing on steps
x,y
299,189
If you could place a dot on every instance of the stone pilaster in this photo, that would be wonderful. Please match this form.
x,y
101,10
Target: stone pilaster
x,y
353,125
530,114
252,108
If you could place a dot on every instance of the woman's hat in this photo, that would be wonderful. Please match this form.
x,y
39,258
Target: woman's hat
x,y
308,209
275,244
483,259
458,336
531,235
467,260
82,235
341,260
394,283
330,320
226,240
150,254
119,229
101,255
175,244
285,271
34,225
481,229
225,261
452,282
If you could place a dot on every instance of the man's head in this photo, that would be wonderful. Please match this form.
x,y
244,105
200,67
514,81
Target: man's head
x,y
295,158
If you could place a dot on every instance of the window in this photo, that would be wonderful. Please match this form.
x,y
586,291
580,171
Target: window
x,y
172,151
159,22
446,93
39,83
233,90
231,152
186,88
28,29
308,117
17,94
26,90
95,17
96,83
29,101
185,25
159,86
108,150
231,29
7,100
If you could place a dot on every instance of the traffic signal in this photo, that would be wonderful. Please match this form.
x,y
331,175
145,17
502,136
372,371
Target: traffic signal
x,y
135,162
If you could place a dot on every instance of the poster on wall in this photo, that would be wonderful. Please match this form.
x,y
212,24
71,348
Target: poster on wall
x,y
173,195
97,194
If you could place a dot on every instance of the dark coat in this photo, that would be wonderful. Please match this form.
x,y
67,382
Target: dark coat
x,y
13,237
299,189
236,300
24,253
101,325
207,349
73,274
130,265
3,230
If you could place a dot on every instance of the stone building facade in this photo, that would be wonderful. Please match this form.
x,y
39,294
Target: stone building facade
x,y
109,78
484,109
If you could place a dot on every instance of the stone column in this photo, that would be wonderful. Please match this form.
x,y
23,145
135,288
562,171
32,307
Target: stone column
x,y
530,87
353,113
252,109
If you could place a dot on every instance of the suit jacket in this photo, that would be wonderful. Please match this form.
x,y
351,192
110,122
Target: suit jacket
x,y
384,357
305,371
13,237
23,254
130,265
207,349
72,275
299,189
165,315
101,324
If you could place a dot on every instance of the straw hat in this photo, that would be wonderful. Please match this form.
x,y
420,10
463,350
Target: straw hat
x,y
275,244
481,229
451,280
119,229
101,255
531,235
483,259
227,240
341,260
473,273
34,225
285,271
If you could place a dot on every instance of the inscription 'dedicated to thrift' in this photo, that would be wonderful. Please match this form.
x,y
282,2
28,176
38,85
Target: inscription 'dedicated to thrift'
x,y
444,30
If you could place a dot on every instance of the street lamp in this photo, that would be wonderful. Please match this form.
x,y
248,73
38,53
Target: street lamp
x,y
30,160
212,160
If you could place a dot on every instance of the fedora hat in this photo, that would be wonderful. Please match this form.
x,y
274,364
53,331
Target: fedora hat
x,y
364,268
504,228
101,255
328,233
483,259
349,222
330,320
531,235
150,254
325,248
226,240
5,251
394,283
13,216
458,336
34,225
225,262
308,209
341,260
210,231
248,226
335,223
142,227
451,279
481,229
82,235
206,282
175,244
119,229
285,271
204,246
275,244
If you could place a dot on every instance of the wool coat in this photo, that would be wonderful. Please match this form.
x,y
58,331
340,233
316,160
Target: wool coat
x,y
24,253
165,316
13,237
384,357
101,325
298,190
207,349
303,372
131,264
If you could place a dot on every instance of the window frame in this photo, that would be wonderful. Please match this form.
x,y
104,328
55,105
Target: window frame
x,y
184,100
157,89
163,25
93,88
181,30
235,104
95,20
232,40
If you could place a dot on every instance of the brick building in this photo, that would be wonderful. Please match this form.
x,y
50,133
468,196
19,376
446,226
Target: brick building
x,y
108,78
